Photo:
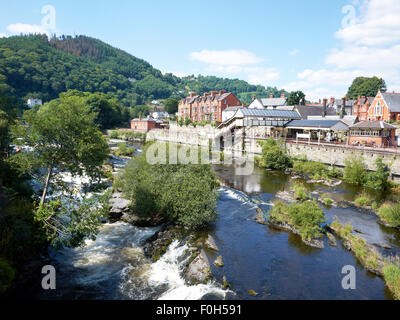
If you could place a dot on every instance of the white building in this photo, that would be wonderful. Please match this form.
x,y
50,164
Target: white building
x,y
269,103
159,115
33,102
229,113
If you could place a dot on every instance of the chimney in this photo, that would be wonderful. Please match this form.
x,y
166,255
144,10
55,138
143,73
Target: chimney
x,y
332,100
325,103
221,92
140,118
192,94
319,101
345,97
359,97
253,98
343,108
213,93
283,95
206,94
271,96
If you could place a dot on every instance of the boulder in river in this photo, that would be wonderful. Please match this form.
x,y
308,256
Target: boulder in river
x,y
331,239
218,262
198,270
260,217
119,206
210,243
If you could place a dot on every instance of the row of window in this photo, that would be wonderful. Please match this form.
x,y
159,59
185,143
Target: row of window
x,y
369,133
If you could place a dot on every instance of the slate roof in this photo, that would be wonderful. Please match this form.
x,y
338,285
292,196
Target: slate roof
x,y
392,100
373,125
269,113
272,102
348,120
312,123
306,111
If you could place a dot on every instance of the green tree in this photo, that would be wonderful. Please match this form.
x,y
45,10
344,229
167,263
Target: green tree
x,y
367,87
64,138
355,170
171,105
378,179
274,156
296,98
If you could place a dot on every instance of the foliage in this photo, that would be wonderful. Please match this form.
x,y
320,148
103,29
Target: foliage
x,y
390,213
355,170
274,155
315,170
391,274
183,193
123,150
7,275
300,193
296,98
171,105
362,201
366,87
306,217
72,222
326,200
378,179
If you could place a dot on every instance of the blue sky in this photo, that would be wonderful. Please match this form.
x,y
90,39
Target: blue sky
x,y
317,46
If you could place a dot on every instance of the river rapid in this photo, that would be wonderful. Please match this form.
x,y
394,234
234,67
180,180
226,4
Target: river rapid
x,y
275,264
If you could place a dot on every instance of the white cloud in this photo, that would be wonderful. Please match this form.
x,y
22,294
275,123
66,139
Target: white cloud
x,y
294,52
3,35
23,28
369,47
226,57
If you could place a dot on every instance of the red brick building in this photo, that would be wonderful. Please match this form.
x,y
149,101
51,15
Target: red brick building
x,y
373,134
361,107
207,107
385,107
144,125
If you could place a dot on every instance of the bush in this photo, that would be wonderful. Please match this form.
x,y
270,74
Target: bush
x,y
300,193
378,179
183,193
7,274
391,273
362,201
114,135
274,156
355,170
307,217
279,212
123,150
390,213
327,201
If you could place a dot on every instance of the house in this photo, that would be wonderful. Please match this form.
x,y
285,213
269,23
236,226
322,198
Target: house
x,y
33,102
159,113
268,103
146,124
385,107
307,111
336,104
207,107
229,113
373,134
361,107
317,130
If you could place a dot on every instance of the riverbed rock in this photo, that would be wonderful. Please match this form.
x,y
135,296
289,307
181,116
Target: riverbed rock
x,y
119,206
358,231
286,196
198,270
383,245
260,217
210,243
331,239
219,262
252,293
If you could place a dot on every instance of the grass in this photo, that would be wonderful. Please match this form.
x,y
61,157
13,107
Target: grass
x,y
362,201
300,193
391,274
390,213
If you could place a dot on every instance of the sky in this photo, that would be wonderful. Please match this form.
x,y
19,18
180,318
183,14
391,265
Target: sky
x,y
317,46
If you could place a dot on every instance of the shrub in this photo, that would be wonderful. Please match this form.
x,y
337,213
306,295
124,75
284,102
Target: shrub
x,y
274,156
362,201
114,135
123,150
279,212
327,201
7,274
300,193
355,170
390,213
183,193
378,179
391,273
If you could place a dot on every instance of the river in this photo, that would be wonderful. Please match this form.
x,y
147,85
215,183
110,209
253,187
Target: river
x,y
275,264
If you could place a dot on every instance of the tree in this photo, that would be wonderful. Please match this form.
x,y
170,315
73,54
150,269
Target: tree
x,y
296,98
171,105
366,87
355,170
274,156
63,138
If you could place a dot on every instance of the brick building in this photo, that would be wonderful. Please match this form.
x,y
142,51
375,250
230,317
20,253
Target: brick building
x,y
361,107
145,125
385,107
373,134
207,107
